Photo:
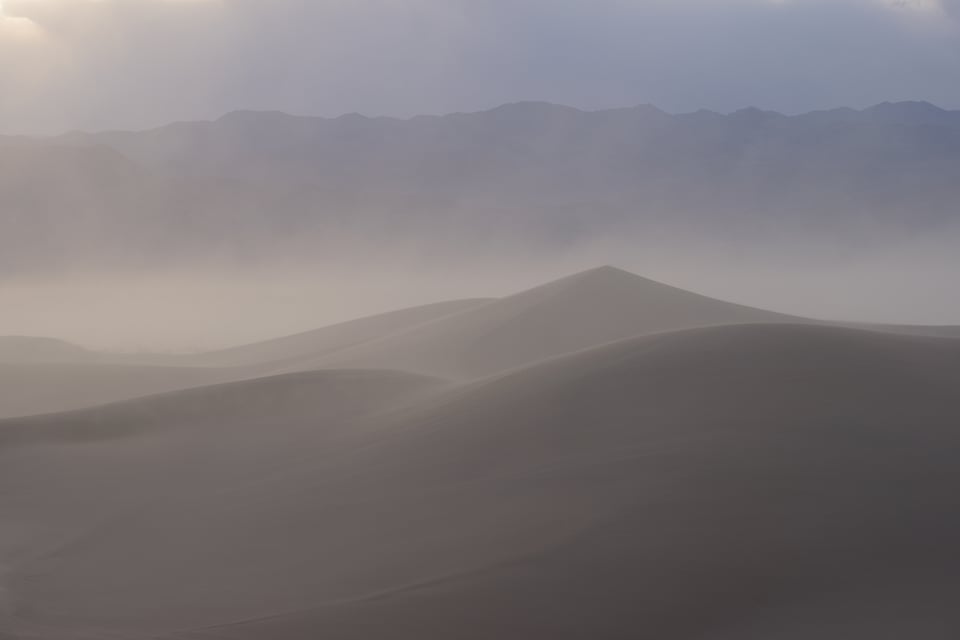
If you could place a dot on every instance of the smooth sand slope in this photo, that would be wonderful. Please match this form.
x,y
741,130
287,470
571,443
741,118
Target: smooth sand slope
x,y
578,312
45,375
24,349
322,342
460,339
40,375
760,482
34,388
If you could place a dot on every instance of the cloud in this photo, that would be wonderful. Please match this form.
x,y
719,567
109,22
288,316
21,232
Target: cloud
x,y
134,63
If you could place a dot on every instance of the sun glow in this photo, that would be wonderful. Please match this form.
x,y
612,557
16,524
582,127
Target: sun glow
x,y
17,26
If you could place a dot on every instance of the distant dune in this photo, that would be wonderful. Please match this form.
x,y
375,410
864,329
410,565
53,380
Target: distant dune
x,y
40,375
581,311
459,340
48,387
758,482
578,312
323,342
21,349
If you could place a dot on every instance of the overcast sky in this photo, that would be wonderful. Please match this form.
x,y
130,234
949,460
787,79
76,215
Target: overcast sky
x,y
96,64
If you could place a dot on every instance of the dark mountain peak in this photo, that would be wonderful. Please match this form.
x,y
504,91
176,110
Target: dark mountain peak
x,y
530,112
908,107
704,113
532,106
755,114
649,109
839,111
353,117
260,118
251,114
911,113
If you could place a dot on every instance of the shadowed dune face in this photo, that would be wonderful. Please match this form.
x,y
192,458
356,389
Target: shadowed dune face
x,y
757,481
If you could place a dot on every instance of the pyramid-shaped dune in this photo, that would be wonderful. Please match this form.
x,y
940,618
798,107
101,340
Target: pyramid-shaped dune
x,y
578,312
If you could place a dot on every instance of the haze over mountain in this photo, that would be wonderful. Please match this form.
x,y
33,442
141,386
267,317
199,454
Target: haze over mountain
x,y
258,186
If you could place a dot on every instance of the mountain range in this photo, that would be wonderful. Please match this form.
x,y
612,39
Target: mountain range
x,y
255,185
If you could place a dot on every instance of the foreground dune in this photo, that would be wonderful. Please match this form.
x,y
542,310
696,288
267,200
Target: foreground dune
x,y
757,481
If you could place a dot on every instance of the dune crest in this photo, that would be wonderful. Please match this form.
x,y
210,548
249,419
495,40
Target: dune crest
x,y
735,481
581,311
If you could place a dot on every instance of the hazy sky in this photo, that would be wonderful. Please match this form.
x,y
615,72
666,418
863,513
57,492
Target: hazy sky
x,y
135,63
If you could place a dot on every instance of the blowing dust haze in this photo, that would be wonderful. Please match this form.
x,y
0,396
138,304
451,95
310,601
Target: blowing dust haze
x,y
539,319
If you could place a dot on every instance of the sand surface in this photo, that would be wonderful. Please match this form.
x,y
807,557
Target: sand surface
x,y
754,481
578,312
460,340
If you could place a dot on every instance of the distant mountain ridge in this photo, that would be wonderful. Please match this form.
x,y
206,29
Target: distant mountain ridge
x,y
900,112
262,183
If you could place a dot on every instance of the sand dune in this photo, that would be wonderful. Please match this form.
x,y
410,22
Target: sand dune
x,y
22,349
578,312
757,481
327,340
48,387
460,339
40,375
300,397
81,474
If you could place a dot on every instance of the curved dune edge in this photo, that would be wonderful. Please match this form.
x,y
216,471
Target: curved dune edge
x,y
755,481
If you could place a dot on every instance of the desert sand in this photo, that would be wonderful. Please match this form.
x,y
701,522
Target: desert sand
x,y
578,312
669,468
458,340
